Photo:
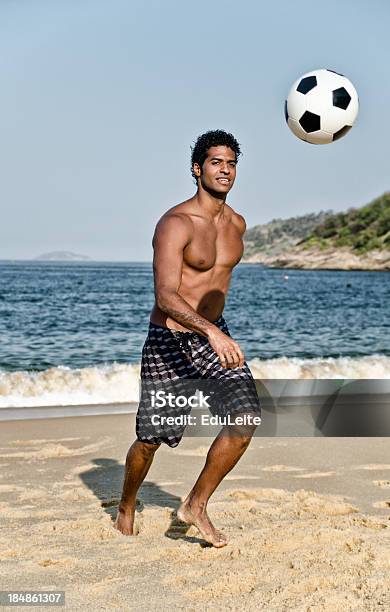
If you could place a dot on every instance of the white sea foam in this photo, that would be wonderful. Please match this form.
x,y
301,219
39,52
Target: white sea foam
x,y
369,367
63,386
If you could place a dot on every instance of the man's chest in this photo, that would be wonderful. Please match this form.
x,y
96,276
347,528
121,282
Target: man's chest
x,y
210,247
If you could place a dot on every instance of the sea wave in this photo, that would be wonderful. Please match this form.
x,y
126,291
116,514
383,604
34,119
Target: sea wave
x,y
117,383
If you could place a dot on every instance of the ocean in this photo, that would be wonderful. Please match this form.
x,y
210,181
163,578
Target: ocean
x,y
72,332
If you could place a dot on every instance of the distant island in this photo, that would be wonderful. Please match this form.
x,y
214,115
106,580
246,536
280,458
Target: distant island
x,y
62,256
358,239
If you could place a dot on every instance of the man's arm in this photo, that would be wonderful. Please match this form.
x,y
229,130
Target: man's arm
x,y
173,233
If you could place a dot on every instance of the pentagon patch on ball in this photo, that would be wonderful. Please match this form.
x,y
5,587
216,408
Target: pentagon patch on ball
x,y
321,106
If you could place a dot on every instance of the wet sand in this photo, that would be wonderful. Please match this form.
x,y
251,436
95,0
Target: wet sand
x,y
307,521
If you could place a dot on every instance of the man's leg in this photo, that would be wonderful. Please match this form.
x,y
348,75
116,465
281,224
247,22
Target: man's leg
x,y
224,453
138,461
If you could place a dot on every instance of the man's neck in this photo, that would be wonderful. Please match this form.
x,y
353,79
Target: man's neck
x,y
211,204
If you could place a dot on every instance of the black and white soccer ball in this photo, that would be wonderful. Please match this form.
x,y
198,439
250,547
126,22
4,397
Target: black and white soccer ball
x,y
321,107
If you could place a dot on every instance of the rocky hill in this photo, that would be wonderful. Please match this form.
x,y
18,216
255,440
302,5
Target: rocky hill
x,y
279,235
358,239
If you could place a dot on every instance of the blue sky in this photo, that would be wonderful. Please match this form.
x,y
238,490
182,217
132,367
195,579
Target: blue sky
x,y
101,100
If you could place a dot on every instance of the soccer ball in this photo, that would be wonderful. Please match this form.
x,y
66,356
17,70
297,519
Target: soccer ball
x,y
321,106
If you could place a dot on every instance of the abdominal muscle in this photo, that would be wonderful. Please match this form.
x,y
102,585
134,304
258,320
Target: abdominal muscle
x,y
205,291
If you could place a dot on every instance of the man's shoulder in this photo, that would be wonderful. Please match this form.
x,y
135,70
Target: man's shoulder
x,y
237,219
182,210
175,219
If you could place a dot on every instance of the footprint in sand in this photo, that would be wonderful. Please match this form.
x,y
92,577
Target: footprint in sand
x,y
385,484
382,504
77,494
282,468
329,505
54,451
43,441
38,493
86,527
314,475
61,562
305,501
10,488
11,512
232,477
372,466
268,493
369,522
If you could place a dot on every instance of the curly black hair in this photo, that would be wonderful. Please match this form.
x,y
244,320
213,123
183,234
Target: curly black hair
x,y
213,138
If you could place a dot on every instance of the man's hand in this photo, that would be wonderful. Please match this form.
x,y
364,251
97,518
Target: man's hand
x,y
229,353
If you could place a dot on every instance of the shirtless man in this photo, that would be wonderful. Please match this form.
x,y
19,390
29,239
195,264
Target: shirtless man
x,y
196,245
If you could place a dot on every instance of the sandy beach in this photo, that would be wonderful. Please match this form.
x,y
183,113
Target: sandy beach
x,y
307,521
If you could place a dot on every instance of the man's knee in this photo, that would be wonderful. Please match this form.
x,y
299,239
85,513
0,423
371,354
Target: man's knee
x,y
146,448
246,435
242,433
244,427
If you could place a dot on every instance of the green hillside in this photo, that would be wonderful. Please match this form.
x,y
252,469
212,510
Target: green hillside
x,y
279,234
361,229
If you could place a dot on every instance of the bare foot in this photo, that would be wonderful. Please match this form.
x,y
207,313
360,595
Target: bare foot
x,y
125,521
198,517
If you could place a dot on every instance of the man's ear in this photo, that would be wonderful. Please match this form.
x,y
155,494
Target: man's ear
x,y
197,170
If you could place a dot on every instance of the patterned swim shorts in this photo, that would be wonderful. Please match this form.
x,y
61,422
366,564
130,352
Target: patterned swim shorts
x,y
173,361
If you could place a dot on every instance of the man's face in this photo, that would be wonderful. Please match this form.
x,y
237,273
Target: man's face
x,y
218,172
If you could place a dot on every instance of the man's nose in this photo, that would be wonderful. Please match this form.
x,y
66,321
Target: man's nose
x,y
225,169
